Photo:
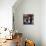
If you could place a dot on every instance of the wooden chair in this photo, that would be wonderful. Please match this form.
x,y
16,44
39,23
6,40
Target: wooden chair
x,y
18,37
29,43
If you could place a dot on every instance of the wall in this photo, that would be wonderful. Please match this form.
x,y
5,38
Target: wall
x,y
6,13
43,22
29,31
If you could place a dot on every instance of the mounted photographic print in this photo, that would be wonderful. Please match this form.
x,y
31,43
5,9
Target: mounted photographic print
x,y
28,19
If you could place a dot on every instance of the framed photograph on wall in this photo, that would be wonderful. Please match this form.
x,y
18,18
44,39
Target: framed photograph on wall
x,y
28,19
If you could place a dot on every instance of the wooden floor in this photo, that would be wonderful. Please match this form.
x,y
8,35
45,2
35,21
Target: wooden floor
x,y
17,40
9,43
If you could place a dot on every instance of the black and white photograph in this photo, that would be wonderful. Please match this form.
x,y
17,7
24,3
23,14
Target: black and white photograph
x,y
28,19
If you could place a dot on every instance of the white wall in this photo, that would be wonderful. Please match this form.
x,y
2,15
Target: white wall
x,y
43,22
32,7
6,13
29,31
